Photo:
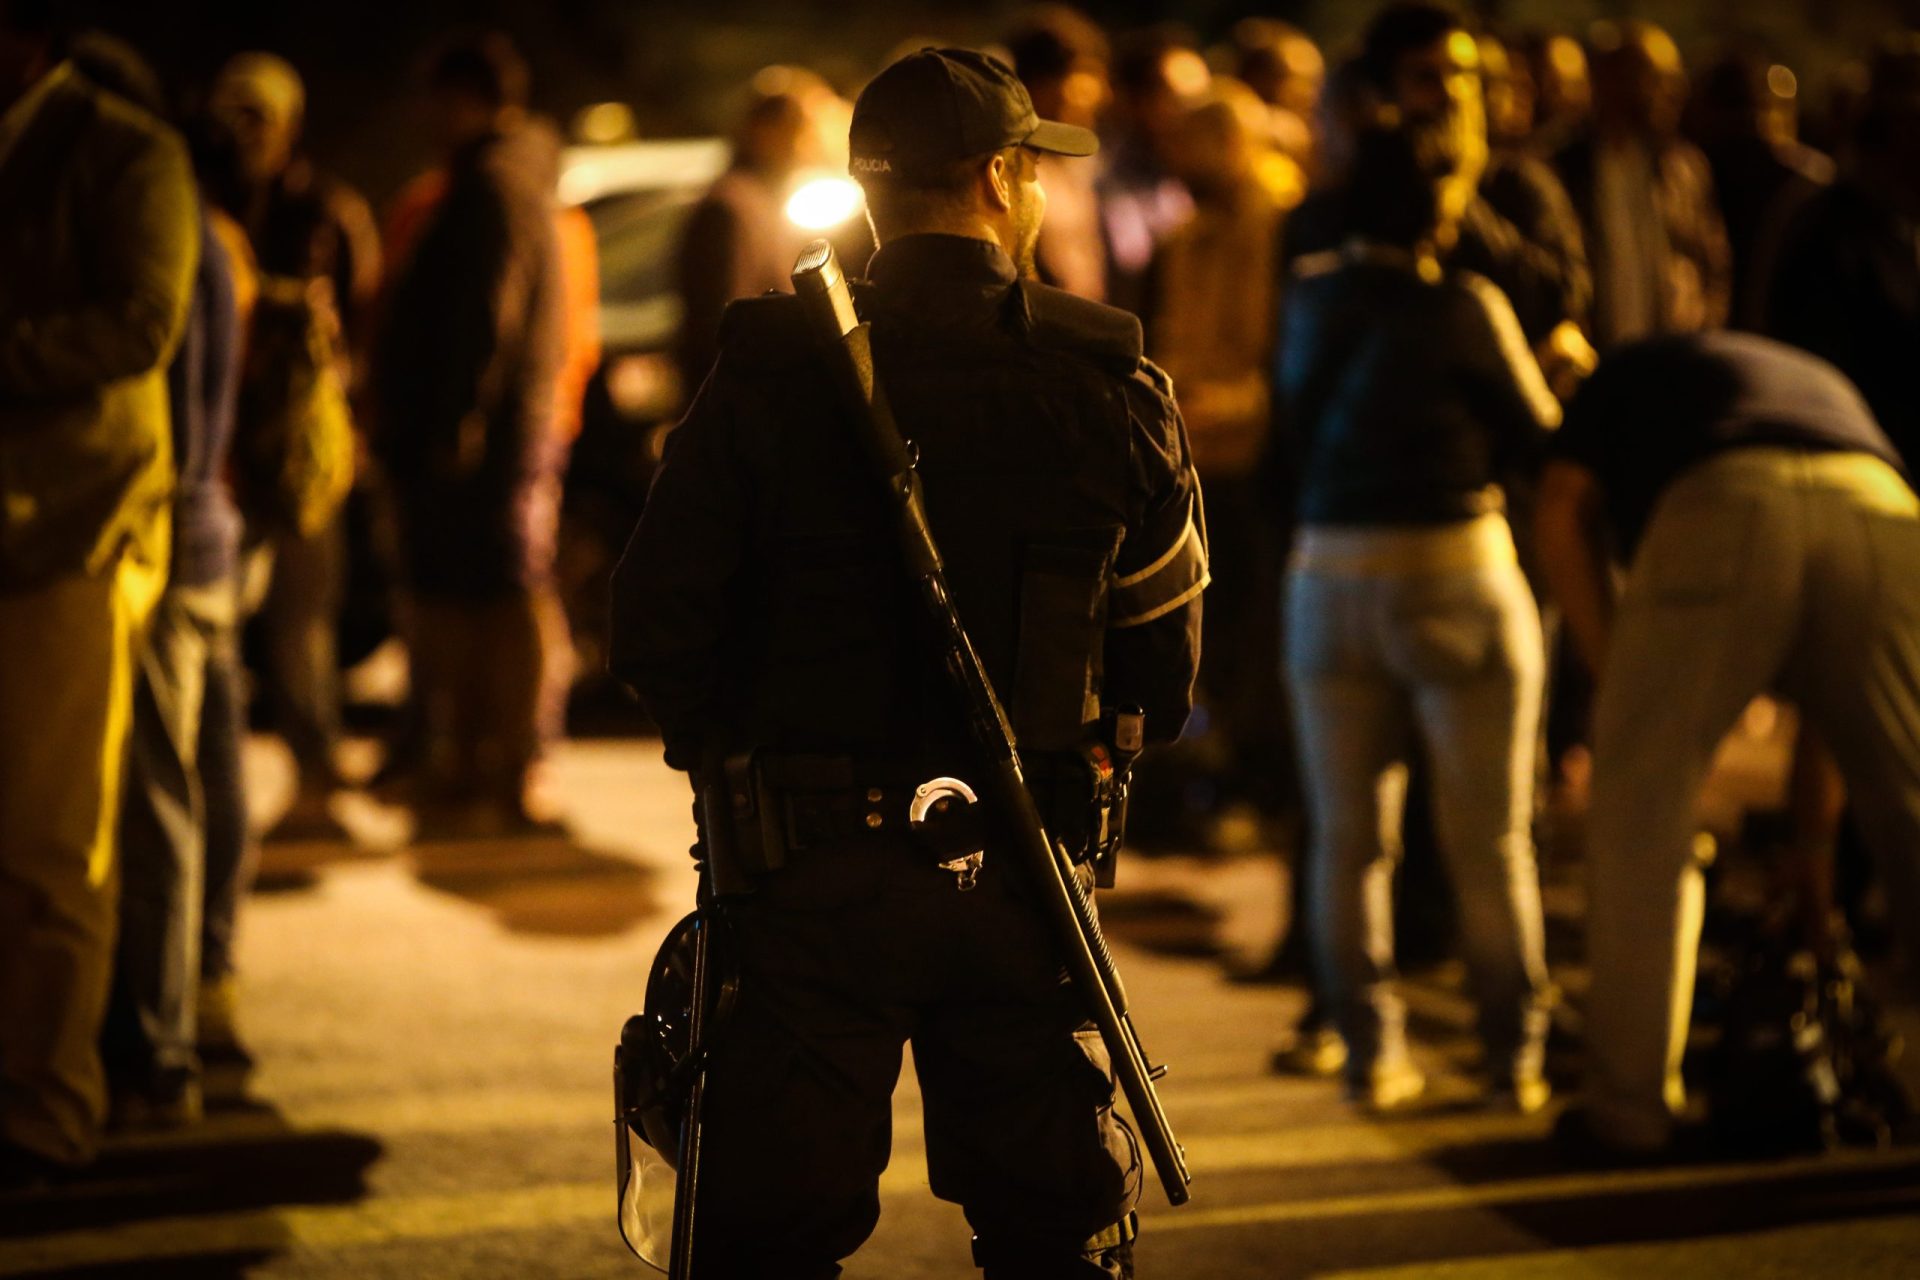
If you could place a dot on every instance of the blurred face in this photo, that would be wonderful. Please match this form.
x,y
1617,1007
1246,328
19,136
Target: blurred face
x,y
1441,81
262,142
1639,88
1078,97
1306,74
457,118
1214,152
1183,77
781,141
1560,74
1508,91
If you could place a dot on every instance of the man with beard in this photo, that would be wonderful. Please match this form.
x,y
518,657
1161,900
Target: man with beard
x,y
1519,230
762,612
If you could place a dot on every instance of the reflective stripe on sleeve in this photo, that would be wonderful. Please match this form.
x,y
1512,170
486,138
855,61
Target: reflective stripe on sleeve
x,y
1175,578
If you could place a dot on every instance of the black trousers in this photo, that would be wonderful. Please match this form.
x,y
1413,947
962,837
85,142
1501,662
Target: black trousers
x,y
846,956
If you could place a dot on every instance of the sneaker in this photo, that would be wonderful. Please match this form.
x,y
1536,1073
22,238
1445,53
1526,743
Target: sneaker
x,y
157,1110
1523,1079
1388,1087
1529,1092
1314,1051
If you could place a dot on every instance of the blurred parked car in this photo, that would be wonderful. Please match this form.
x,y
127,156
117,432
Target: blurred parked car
x,y
638,195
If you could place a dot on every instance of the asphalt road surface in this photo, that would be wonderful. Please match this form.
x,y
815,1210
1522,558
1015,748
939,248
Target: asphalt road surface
x,y
434,1024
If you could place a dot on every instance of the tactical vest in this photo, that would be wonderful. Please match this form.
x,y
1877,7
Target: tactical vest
x,y
1023,438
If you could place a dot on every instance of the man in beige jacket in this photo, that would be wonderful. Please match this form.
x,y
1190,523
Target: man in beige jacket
x,y
98,240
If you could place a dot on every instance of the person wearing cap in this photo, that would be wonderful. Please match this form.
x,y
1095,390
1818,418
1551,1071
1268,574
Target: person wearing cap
x,y
761,607
304,224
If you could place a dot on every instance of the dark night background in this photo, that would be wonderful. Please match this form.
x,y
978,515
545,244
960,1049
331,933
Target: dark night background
x,y
681,65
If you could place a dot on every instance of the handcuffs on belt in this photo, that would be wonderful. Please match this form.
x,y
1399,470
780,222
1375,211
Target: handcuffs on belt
x,y
935,799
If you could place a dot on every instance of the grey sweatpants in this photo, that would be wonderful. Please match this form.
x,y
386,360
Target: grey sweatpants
x,y
1762,569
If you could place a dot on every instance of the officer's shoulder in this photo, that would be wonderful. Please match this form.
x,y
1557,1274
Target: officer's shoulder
x,y
769,315
1105,336
769,331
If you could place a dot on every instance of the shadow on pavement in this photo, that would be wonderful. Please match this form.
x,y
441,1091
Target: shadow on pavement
x,y
205,1202
551,886
294,866
1717,1194
1166,923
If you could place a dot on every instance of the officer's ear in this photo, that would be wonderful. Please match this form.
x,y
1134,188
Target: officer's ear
x,y
1001,176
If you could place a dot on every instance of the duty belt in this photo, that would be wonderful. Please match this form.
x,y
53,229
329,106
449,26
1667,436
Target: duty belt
x,y
825,800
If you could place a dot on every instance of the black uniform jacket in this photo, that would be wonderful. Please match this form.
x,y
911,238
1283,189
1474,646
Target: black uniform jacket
x,y
762,602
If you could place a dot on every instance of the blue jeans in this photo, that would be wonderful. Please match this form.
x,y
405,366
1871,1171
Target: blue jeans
x,y
1428,632
148,1041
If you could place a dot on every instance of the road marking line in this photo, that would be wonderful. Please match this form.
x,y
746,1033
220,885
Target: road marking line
x,y
1878,1246
1525,1191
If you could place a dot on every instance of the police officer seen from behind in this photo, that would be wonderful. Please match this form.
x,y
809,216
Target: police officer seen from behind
x,y
762,607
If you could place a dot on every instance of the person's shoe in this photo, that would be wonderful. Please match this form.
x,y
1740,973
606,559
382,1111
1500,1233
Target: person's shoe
x,y
217,1031
1522,1077
157,1110
1388,1087
1528,1091
1314,1051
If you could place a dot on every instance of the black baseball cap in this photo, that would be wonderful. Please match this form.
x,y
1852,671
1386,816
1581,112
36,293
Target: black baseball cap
x,y
940,105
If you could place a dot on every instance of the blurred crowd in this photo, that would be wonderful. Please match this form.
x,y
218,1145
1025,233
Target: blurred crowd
x,y
202,329
1378,281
